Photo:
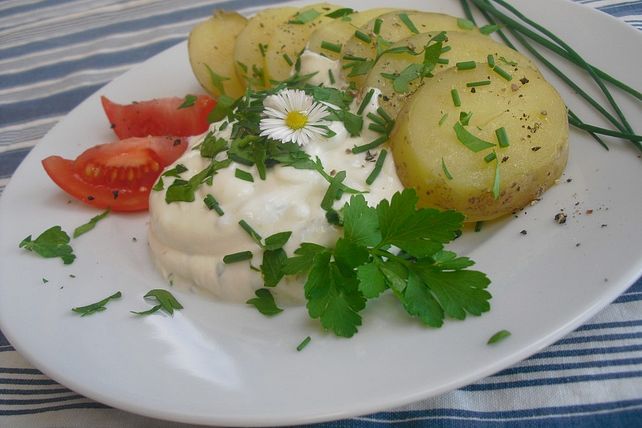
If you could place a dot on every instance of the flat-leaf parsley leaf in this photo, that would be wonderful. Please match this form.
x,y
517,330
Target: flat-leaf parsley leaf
x,y
53,242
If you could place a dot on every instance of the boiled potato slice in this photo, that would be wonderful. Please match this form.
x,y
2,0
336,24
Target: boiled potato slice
x,y
426,152
338,31
248,55
463,46
289,39
211,47
392,29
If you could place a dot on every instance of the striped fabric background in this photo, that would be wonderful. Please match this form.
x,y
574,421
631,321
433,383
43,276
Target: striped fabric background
x,y
55,53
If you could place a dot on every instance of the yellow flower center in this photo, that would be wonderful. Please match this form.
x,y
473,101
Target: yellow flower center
x,y
296,120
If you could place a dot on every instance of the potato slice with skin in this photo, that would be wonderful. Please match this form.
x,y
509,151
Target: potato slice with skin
x,y
338,31
392,29
289,39
211,44
464,46
427,152
248,57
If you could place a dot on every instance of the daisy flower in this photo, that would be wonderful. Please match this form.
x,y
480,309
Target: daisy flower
x,y
293,116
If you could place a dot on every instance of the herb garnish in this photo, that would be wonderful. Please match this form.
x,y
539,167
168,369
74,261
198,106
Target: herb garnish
x,y
96,307
304,17
90,224
264,302
340,13
166,301
469,140
378,166
454,93
53,242
502,137
188,101
428,281
303,343
237,257
212,204
445,169
408,23
498,337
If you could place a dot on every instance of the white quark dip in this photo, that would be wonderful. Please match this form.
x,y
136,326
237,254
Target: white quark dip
x,y
188,241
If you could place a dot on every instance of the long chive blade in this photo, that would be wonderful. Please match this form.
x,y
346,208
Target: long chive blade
x,y
378,166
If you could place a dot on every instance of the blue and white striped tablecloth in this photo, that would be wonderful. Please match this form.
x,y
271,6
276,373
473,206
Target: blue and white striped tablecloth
x,y
55,53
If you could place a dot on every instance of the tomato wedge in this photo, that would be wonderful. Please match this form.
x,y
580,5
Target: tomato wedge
x,y
117,175
159,117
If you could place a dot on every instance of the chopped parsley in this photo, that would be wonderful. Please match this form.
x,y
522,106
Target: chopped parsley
x,y
304,17
469,140
264,302
340,13
164,300
188,101
90,224
52,243
96,307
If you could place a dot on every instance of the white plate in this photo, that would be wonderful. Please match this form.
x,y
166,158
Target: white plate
x,y
226,364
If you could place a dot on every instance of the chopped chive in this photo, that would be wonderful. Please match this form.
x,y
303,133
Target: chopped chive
x,y
445,169
223,126
378,166
443,119
488,29
287,59
478,83
253,234
491,61
499,336
505,74
478,226
496,180
303,344
408,23
502,137
365,101
443,60
362,36
376,143
377,26
465,24
446,49
331,77
490,157
385,115
237,257
466,65
377,128
189,101
263,49
349,57
212,204
376,119
243,175
333,47
454,93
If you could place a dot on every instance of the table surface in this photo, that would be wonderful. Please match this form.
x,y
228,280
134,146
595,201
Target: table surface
x,y
54,54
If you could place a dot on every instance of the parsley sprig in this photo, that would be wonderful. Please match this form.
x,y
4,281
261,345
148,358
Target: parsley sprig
x,y
395,247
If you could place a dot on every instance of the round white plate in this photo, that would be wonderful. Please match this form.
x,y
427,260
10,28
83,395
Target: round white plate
x,y
226,364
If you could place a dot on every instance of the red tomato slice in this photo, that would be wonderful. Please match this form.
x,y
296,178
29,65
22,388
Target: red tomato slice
x,y
159,117
116,175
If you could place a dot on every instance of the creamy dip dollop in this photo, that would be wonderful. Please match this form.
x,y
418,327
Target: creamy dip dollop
x,y
188,241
